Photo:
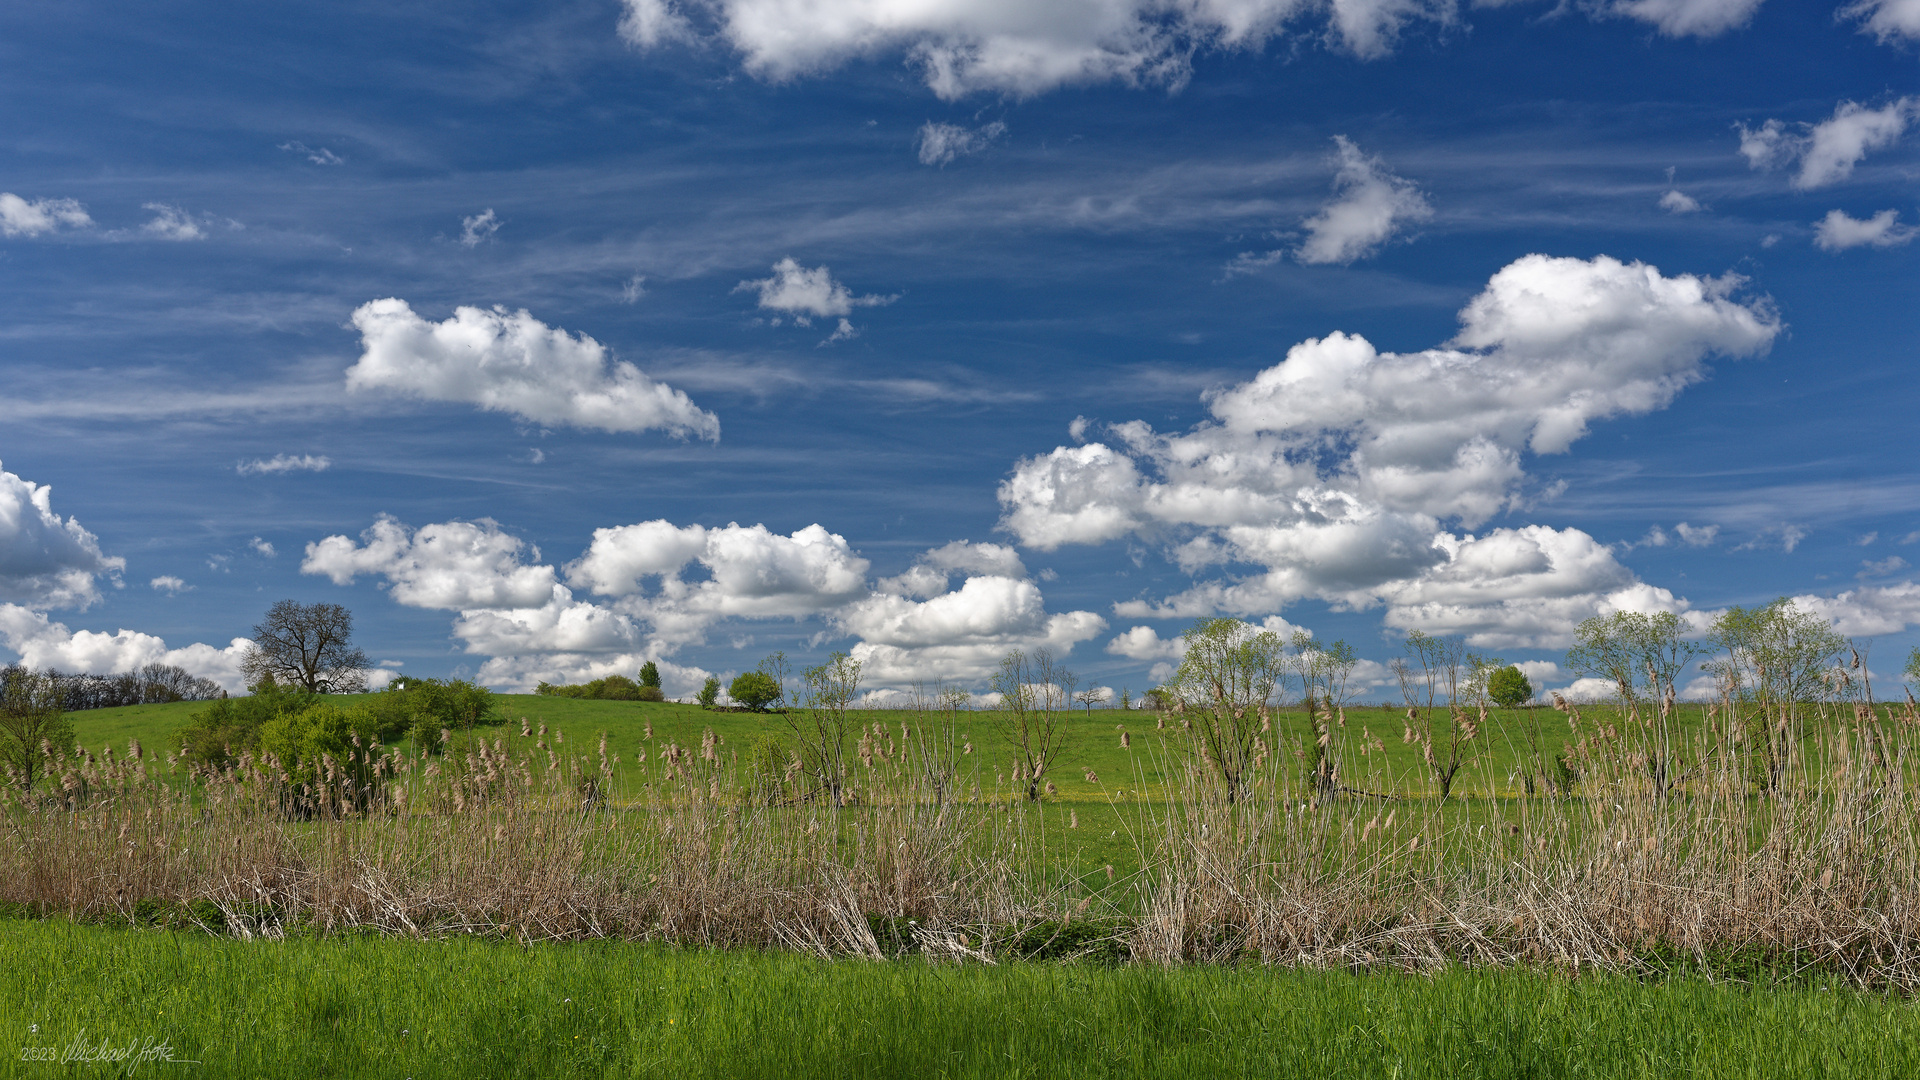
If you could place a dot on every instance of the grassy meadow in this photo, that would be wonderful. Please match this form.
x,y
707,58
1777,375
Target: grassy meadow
x,y
1105,793
625,888
464,1008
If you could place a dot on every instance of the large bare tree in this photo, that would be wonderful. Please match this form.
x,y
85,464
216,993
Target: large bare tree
x,y
309,646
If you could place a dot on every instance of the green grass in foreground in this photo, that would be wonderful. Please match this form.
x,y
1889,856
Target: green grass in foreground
x,y
470,1009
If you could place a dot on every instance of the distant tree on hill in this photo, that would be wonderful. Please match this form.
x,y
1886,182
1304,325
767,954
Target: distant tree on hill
x,y
650,674
710,693
754,689
1508,687
309,646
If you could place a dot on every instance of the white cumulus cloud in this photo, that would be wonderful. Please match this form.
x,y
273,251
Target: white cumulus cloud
x,y
1868,610
512,362
1839,231
1145,643
19,217
479,228
42,643
452,565
960,634
1370,204
807,294
47,561
170,585
645,590
1676,201
1334,471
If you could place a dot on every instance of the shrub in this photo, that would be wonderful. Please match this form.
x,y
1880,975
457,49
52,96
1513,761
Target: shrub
x,y
710,693
299,739
218,734
611,688
419,708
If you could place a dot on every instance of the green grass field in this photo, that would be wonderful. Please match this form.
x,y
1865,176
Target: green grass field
x,y
366,1006
1092,741
1089,825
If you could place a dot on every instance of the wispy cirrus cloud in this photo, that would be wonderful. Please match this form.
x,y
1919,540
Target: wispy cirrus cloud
x,y
284,463
21,217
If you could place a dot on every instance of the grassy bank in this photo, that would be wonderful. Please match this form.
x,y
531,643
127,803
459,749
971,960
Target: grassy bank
x,y
368,1006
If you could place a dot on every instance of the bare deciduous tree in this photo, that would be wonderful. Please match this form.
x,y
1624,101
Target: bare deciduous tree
x,y
1446,743
309,646
822,727
1230,672
1035,693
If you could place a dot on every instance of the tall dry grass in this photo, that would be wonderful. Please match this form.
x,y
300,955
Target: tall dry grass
x,y
1664,849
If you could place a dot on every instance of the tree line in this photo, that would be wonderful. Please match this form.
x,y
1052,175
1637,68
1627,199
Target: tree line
x,y
154,684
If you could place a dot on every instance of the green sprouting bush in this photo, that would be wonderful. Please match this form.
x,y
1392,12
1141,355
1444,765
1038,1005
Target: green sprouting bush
x,y
420,709
769,766
218,734
300,739
710,693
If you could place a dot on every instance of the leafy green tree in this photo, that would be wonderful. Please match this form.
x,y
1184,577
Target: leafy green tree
x,y
710,693
650,674
1912,672
754,689
1508,687
31,723
300,738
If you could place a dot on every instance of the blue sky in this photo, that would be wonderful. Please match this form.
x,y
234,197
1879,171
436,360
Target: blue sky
x,y
430,309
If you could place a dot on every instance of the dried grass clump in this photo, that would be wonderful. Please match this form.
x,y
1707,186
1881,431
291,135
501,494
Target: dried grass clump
x,y
1652,864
